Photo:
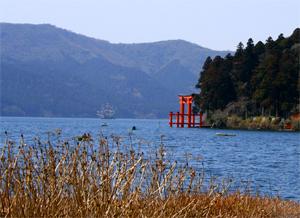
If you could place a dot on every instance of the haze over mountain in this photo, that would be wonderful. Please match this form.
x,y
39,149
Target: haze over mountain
x,y
49,71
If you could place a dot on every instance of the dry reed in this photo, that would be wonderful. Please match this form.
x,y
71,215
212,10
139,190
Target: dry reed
x,y
84,178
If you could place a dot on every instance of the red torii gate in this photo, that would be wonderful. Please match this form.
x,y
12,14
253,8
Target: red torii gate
x,y
180,116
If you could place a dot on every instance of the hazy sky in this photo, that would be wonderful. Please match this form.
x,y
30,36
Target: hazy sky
x,y
217,24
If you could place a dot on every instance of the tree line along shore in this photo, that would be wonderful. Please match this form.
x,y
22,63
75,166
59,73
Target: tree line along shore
x,y
255,88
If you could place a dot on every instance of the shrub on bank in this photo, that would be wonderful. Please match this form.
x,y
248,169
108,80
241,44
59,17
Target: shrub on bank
x,y
262,123
233,122
295,125
218,119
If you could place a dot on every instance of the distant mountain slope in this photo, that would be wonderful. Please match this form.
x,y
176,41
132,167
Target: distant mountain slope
x,y
150,57
48,71
181,77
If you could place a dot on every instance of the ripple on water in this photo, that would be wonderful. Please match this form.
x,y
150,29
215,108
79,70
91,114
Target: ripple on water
x,y
270,160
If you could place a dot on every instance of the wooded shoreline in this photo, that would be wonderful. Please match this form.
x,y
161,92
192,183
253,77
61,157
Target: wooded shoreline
x,y
256,88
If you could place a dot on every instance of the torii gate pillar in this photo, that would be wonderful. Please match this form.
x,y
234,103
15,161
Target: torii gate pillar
x,y
181,110
185,99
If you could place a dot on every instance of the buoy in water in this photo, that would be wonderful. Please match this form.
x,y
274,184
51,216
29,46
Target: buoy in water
x,y
224,134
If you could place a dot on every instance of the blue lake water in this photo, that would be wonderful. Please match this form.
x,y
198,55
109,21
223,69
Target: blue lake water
x,y
269,160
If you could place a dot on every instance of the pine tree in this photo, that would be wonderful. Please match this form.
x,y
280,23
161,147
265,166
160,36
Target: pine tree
x,y
266,75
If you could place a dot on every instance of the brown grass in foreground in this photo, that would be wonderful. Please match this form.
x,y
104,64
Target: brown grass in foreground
x,y
87,179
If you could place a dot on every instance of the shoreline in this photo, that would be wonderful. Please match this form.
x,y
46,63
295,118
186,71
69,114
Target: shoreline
x,y
255,123
257,130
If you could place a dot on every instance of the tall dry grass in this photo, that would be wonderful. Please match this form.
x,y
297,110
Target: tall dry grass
x,y
87,178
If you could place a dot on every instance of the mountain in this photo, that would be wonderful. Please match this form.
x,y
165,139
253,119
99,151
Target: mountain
x,y
49,71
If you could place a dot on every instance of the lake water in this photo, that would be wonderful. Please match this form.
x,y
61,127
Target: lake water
x,y
269,160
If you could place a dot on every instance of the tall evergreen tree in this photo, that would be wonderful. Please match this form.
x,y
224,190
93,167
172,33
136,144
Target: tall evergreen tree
x,y
216,86
264,74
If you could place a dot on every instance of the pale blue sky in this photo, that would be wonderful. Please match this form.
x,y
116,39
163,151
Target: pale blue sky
x,y
214,24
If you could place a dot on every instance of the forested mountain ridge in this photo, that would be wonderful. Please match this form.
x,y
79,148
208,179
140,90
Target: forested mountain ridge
x,y
259,79
49,71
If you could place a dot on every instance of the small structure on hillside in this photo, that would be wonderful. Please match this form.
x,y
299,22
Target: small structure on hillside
x,y
181,118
